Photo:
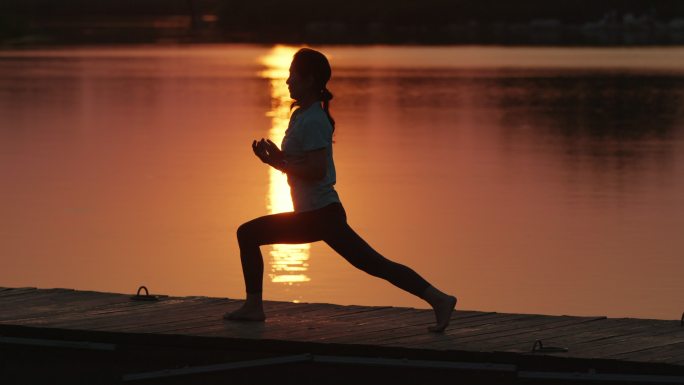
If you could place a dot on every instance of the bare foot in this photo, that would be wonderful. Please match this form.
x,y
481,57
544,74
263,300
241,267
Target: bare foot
x,y
246,313
443,309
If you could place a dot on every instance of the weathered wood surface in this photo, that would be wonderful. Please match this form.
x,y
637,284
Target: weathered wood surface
x,y
625,339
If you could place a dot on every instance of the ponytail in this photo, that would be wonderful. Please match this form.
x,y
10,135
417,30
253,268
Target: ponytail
x,y
326,97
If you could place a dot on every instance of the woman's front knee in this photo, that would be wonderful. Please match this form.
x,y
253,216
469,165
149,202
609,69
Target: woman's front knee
x,y
244,232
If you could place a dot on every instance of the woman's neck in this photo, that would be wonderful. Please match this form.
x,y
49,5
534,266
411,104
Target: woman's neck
x,y
307,101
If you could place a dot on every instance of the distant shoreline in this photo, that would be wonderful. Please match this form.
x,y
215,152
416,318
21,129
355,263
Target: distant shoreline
x,y
31,44
522,39
31,23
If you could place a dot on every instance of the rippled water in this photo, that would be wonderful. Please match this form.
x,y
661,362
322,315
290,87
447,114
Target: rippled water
x,y
534,180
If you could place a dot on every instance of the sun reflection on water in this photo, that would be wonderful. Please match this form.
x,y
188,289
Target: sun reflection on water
x,y
289,263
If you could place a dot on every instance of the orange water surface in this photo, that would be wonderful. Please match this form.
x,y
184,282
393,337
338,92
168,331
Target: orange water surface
x,y
532,180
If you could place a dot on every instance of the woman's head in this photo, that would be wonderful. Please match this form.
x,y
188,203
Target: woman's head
x,y
309,75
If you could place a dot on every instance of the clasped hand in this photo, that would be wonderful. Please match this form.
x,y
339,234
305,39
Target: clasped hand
x,y
267,151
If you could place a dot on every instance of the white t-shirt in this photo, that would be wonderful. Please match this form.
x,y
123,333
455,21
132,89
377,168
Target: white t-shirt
x,y
310,130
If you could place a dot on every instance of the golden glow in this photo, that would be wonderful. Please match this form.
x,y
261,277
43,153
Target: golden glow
x,y
277,64
288,262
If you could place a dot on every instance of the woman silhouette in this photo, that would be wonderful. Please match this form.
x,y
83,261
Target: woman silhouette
x,y
307,159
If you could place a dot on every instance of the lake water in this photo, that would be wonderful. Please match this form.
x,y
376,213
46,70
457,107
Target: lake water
x,y
532,180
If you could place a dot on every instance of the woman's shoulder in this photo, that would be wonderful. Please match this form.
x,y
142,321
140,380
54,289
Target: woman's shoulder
x,y
312,117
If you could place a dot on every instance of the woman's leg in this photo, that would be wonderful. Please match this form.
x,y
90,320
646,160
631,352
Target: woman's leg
x,y
359,253
289,227
354,249
277,228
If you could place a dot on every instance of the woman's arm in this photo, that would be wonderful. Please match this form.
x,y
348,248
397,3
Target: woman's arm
x,y
313,165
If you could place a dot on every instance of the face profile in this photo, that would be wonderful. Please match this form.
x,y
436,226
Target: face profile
x,y
298,85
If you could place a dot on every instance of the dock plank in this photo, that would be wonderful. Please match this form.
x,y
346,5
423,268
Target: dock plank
x,y
569,334
519,333
204,316
54,304
593,333
137,312
337,329
523,342
12,301
313,311
89,316
215,321
582,339
665,353
366,324
610,333
631,345
301,328
328,329
19,291
403,325
15,300
419,336
144,320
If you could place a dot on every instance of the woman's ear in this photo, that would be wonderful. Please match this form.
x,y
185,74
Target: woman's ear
x,y
308,82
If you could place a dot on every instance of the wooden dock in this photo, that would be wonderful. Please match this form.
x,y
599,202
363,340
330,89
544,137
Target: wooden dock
x,y
174,338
